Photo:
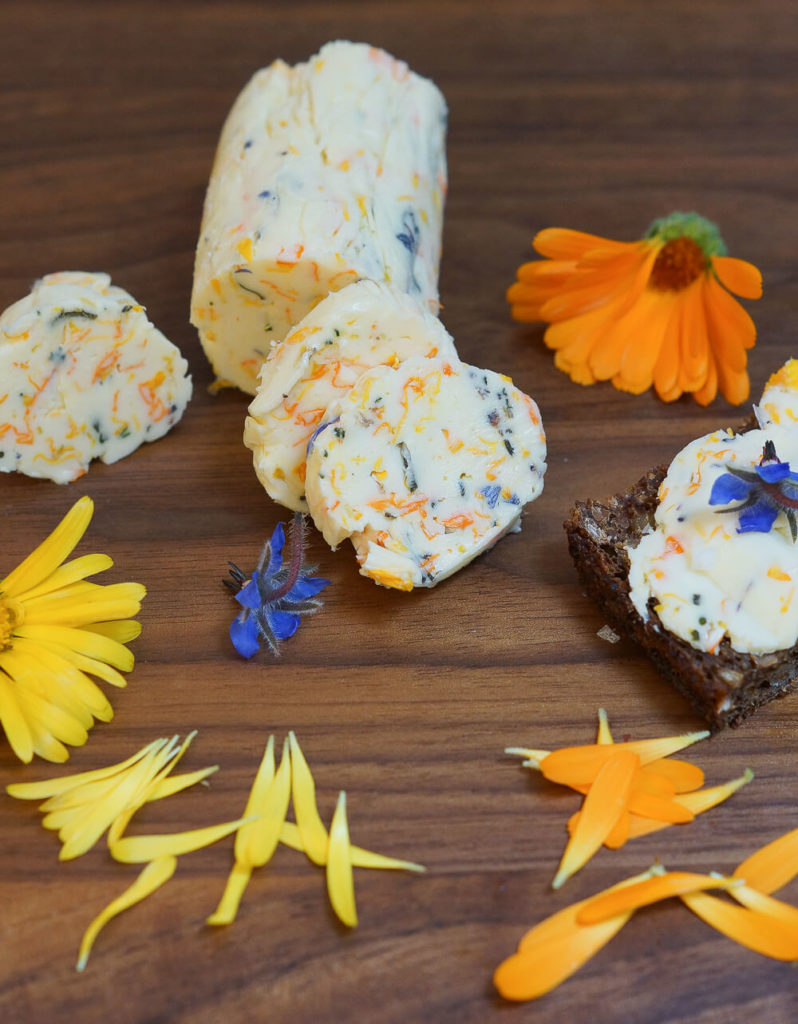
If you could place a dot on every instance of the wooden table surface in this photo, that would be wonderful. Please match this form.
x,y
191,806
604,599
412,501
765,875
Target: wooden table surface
x,y
594,116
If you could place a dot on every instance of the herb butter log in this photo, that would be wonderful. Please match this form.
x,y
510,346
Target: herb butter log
x,y
362,326
325,173
424,466
83,375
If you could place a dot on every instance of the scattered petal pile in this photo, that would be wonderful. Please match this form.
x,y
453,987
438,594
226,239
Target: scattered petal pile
x,y
81,807
557,947
56,630
656,311
267,809
276,595
630,789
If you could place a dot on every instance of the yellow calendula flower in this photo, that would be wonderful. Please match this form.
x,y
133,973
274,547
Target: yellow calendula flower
x,y
57,630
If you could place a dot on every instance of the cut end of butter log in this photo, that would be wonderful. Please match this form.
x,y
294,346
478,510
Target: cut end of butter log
x,y
423,466
326,173
83,375
362,326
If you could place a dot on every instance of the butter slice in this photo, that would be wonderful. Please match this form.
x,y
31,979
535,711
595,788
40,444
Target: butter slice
x,y
423,467
327,172
83,375
362,326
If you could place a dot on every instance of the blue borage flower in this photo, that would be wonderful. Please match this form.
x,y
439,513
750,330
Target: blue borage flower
x,y
276,595
770,489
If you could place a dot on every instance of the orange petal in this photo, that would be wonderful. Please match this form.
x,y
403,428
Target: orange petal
x,y
646,805
526,314
738,276
655,313
580,765
653,783
697,802
757,931
619,833
666,369
650,890
554,950
566,244
756,900
732,330
706,393
603,805
693,344
603,735
772,866
683,775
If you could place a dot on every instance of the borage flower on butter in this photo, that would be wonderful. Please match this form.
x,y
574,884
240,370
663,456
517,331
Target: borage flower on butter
x,y
631,789
56,630
765,491
656,311
276,595
556,948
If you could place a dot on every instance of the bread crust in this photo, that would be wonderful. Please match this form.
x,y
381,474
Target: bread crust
x,y
725,687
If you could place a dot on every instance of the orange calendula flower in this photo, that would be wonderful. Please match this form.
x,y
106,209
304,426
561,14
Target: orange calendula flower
x,y
630,790
656,311
56,630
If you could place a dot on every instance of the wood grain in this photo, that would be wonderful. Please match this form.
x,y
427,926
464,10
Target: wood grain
x,y
596,116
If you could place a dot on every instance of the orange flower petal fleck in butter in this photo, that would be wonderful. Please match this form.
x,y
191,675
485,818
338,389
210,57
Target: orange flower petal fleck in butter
x,y
83,375
423,467
327,172
709,577
362,326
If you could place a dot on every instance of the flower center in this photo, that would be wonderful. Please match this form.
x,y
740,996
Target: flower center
x,y
7,622
679,262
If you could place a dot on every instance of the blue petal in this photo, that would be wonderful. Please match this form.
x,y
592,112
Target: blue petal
x,y
284,624
757,518
248,595
491,495
772,472
317,431
729,488
307,586
244,634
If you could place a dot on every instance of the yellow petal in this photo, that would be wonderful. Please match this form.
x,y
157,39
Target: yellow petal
x,y
646,892
70,572
604,735
340,883
760,932
257,797
82,641
14,722
262,839
177,783
772,866
150,879
54,787
237,882
122,630
303,789
116,601
603,805
289,835
46,558
137,849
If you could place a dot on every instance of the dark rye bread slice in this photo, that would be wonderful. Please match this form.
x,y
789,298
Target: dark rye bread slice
x,y
725,687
